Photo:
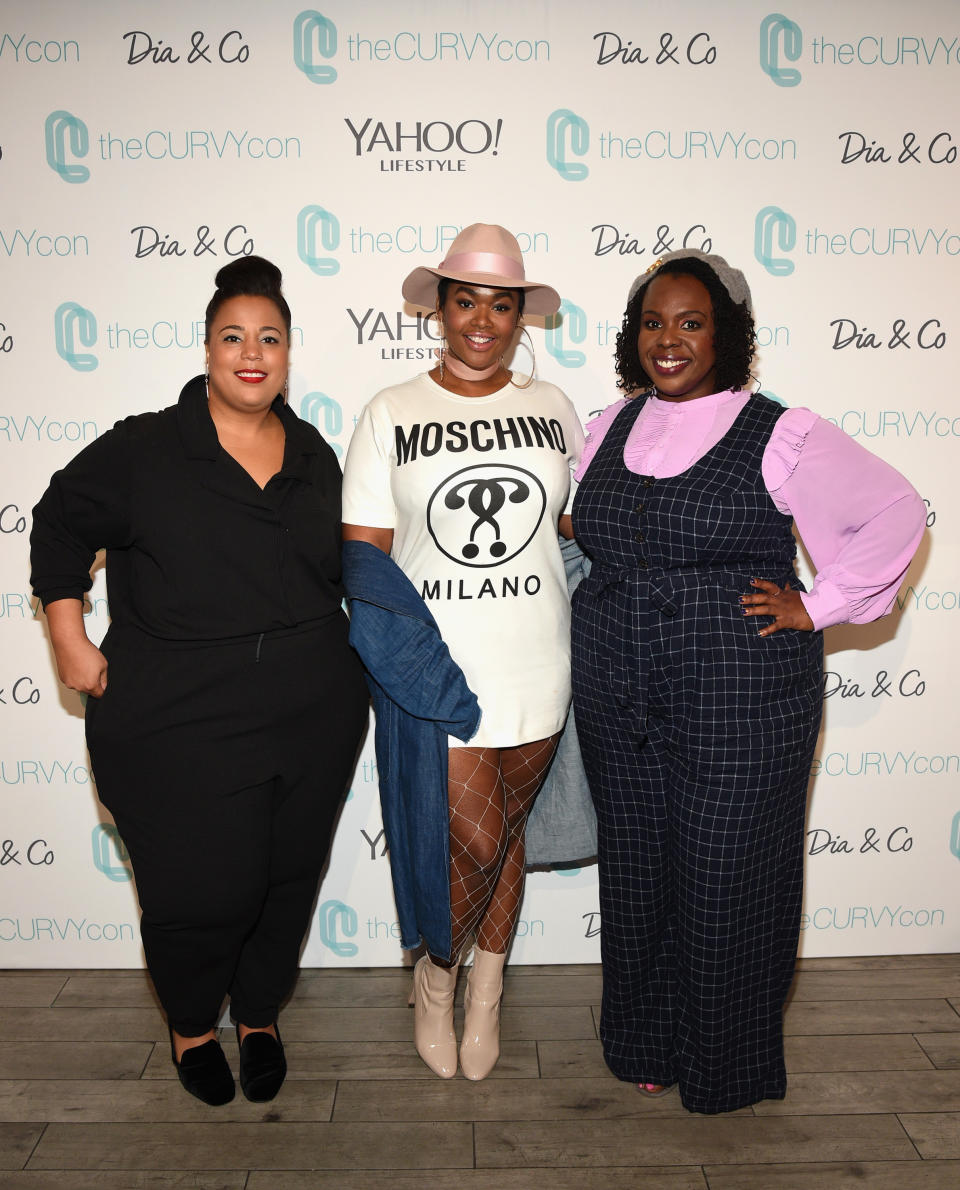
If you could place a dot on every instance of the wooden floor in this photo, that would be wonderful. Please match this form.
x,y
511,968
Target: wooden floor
x,y
89,1101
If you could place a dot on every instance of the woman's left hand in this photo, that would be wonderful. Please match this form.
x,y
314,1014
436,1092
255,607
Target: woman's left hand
x,y
783,604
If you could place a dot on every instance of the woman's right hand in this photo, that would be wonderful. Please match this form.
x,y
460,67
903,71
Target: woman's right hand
x,y
80,665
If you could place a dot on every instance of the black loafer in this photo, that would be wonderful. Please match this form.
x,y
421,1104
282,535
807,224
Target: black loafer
x,y
205,1072
263,1066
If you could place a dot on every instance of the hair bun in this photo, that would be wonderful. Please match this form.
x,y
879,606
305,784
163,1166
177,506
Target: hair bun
x,y
247,276
250,275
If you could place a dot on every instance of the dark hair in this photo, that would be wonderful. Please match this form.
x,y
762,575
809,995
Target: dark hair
x,y
444,283
734,336
248,276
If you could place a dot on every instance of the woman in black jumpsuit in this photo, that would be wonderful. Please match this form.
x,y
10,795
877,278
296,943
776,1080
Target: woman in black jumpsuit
x,y
224,738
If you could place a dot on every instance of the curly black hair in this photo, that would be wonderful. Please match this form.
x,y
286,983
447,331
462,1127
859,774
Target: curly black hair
x,y
734,337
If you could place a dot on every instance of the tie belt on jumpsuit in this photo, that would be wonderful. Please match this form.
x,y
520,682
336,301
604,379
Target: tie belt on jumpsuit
x,y
654,595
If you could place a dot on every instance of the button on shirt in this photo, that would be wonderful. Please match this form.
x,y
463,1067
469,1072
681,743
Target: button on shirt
x,y
195,549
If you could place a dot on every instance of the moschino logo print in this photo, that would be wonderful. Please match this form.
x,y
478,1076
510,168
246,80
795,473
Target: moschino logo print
x,y
425,439
485,515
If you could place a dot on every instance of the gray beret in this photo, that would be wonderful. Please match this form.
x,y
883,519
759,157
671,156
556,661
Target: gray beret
x,y
733,281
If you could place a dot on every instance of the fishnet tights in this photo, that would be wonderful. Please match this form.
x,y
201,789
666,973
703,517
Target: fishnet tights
x,y
491,791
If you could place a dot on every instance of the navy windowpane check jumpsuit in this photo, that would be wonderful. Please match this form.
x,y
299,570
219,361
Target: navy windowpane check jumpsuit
x,y
697,737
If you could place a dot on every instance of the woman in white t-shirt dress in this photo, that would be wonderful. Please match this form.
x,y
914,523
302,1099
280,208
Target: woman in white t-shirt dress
x,y
462,476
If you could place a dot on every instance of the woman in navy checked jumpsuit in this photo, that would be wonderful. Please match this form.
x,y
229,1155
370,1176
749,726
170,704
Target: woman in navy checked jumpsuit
x,y
697,729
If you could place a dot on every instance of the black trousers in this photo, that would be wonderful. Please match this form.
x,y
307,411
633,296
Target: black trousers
x,y
223,766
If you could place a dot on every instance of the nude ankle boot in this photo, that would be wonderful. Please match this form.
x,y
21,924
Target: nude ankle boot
x,y
433,1035
480,1047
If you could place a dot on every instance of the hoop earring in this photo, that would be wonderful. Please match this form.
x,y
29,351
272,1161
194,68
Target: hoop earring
x,y
443,346
533,363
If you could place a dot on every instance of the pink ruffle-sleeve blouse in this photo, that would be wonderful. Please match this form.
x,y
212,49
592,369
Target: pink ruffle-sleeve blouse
x,y
859,519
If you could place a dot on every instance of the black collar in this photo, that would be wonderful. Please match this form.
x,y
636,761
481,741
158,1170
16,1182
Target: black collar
x,y
199,434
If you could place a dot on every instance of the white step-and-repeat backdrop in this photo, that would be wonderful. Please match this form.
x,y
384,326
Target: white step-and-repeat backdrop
x,y
144,145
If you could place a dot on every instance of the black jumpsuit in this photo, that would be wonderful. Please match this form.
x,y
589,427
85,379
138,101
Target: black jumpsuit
x,y
697,737
234,704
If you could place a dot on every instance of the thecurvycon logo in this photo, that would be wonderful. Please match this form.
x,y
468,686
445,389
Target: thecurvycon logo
x,y
65,133
316,39
871,917
110,856
781,41
776,235
336,920
32,50
567,326
774,232
318,235
568,135
326,414
67,143
314,45
74,326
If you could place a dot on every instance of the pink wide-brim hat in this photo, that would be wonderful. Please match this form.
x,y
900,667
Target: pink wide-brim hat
x,y
487,255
